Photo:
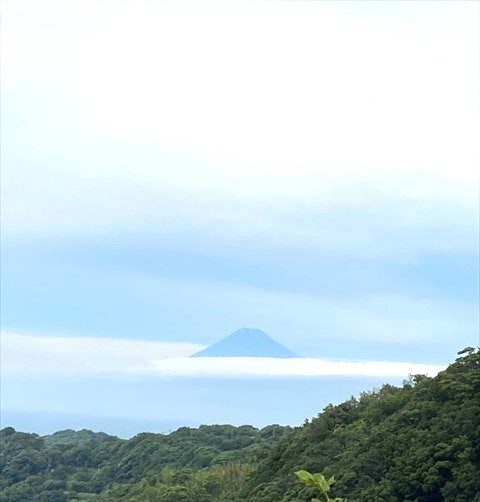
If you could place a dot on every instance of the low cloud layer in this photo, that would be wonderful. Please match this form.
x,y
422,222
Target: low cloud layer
x,y
46,355
296,367
24,355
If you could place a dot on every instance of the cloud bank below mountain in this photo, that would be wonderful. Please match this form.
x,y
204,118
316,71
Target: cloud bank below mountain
x,y
25,355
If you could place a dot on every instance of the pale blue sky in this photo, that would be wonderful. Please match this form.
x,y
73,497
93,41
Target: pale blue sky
x,y
173,171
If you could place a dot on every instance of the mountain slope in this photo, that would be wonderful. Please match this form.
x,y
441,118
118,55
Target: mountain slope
x,y
418,443
246,342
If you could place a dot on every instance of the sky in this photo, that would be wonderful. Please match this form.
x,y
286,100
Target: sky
x,y
174,171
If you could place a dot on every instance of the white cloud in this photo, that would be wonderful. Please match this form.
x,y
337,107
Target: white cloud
x,y
27,355
137,116
295,367
24,355
279,88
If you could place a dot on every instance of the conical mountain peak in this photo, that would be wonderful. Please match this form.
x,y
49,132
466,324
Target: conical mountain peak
x,y
246,342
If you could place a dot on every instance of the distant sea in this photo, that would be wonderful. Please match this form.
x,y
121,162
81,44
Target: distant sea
x,y
127,406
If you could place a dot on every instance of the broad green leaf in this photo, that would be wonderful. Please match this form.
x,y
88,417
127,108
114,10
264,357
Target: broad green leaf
x,y
305,477
321,482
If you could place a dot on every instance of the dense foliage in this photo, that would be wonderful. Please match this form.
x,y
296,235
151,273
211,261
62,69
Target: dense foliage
x,y
82,465
417,443
420,442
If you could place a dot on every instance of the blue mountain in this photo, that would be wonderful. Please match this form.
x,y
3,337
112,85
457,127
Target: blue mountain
x,y
246,343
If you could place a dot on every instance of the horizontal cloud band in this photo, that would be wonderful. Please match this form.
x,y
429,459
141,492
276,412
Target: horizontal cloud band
x,y
292,367
62,355
24,355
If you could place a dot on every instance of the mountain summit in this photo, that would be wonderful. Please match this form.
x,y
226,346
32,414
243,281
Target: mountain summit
x,y
246,342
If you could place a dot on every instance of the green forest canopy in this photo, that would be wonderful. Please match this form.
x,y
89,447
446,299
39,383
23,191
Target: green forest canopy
x,y
420,442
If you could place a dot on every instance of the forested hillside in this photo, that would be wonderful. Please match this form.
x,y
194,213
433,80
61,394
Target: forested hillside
x,y
417,443
71,465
